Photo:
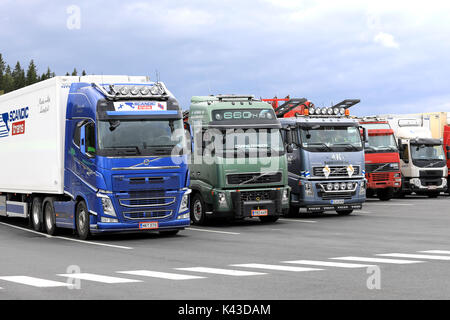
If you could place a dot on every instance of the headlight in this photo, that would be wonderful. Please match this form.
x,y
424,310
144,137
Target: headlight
x,y
336,186
329,186
330,111
415,182
349,185
311,110
285,195
444,182
107,205
108,220
343,186
362,189
309,189
183,216
342,110
317,111
184,203
395,166
154,90
221,197
336,111
324,111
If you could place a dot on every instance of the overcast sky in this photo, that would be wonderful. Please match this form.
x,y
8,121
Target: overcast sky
x,y
393,55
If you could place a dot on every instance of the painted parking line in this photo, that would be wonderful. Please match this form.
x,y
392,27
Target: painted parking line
x,y
34,282
297,220
161,275
274,267
415,256
227,272
436,251
212,231
330,264
97,278
67,239
377,260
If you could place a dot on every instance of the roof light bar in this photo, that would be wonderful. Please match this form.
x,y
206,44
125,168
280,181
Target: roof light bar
x,y
156,90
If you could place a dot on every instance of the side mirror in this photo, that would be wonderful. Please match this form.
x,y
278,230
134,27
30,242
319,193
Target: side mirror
x,y
448,155
289,148
447,148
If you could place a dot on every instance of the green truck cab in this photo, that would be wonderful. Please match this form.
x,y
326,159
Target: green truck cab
x,y
238,165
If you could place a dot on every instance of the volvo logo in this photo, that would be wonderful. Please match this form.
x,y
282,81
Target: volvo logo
x,y
146,162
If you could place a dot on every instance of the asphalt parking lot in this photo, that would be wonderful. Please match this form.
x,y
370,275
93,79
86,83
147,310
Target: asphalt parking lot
x,y
389,250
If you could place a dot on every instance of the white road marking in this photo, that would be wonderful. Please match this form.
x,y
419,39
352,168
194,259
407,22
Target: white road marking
x,y
227,272
297,220
414,256
35,282
377,260
330,264
390,204
27,230
436,251
274,267
213,231
162,275
68,239
97,278
361,211
94,243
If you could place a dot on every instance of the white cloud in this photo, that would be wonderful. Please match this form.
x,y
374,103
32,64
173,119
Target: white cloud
x,y
386,40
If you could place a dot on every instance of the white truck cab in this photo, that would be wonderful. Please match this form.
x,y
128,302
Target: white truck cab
x,y
422,159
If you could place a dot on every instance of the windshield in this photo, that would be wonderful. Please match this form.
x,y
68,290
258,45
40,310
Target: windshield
x,y
330,138
140,137
383,143
245,143
427,152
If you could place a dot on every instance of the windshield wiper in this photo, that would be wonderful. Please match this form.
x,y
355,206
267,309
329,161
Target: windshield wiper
x,y
320,144
127,149
346,144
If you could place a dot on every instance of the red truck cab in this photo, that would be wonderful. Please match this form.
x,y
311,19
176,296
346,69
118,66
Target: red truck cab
x,y
382,159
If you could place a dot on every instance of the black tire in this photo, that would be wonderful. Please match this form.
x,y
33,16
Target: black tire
x,y
269,219
385,194
49,217
36,215
433,195
82,221
169,233
344,212
198,210
293,211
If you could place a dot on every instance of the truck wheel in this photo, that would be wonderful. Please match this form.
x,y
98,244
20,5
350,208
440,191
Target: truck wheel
x,y
168,233
385,194
49,218
82,221
268,219
344,212
198,210
36,214
433,195
293,211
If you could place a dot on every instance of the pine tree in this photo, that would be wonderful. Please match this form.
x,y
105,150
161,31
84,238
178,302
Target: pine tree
x,y
67,74
8,81
74,72
32,76
18,76
2,72
83,73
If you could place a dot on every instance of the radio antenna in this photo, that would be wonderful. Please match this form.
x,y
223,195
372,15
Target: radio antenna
x,y
157,75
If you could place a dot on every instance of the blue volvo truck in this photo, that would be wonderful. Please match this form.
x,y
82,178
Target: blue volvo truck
x,y
94,154
326,165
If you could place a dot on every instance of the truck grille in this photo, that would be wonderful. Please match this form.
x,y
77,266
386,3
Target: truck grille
x,y
381,167
379,176
430,181
147,202
157,214
241,178
335,195
431,174
255,195
336,171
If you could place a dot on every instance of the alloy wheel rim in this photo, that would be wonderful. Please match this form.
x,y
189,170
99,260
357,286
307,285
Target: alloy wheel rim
x,y
197,210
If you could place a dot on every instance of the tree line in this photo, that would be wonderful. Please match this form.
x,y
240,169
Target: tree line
x,y
15,78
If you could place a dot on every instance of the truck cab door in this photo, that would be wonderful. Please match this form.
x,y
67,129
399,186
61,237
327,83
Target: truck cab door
x,y
86,165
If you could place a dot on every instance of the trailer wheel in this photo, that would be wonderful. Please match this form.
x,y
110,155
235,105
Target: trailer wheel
x,y
36,214
198,210
268,219
344,212
49,217
82,221
385,194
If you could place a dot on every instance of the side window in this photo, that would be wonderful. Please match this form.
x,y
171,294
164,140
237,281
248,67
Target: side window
x,y
295,138
76,135
90,138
